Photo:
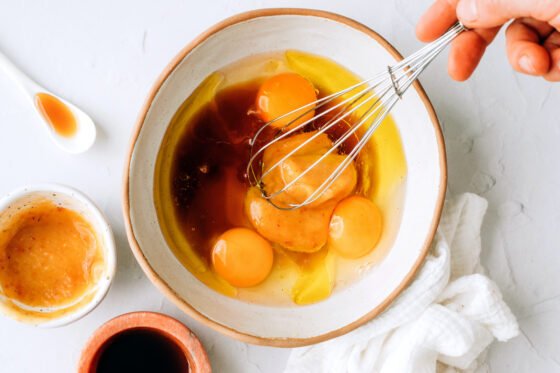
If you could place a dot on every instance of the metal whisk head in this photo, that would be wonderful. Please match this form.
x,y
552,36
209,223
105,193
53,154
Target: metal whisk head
x,y
373,99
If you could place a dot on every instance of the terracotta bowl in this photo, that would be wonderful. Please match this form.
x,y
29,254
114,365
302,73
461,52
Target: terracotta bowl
x,y
362,51
165,325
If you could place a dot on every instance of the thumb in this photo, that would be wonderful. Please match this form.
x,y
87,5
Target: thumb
x,y
491,13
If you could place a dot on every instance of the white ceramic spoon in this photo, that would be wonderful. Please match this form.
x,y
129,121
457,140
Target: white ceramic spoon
x,y
84,135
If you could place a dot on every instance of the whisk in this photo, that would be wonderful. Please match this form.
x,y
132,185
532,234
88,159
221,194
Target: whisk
x,y
375,97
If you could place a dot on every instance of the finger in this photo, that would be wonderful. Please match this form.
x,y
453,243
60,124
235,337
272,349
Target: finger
x,y
554,73
490,13
552,45
524,52
542,28
467,50
552,41
436,20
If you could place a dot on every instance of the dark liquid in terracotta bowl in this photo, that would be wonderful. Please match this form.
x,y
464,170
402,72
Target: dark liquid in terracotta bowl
x,y
209,170
141,351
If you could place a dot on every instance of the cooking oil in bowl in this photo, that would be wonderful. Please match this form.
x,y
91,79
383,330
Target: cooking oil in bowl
x,y
202,190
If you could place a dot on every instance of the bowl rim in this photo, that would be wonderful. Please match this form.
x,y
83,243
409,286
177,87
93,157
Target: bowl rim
x,y
162,284
105,232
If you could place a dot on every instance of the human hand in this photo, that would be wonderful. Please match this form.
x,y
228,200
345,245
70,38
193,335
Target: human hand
x,y
533,38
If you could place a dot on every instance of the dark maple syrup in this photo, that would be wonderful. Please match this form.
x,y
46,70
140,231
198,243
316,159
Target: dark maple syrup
x,y
141,350
209,179
185,217
208,172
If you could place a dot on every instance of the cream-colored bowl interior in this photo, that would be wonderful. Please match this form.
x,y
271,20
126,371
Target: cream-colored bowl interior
x,y
360,52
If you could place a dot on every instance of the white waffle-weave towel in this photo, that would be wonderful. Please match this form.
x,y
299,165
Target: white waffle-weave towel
x,y
443,322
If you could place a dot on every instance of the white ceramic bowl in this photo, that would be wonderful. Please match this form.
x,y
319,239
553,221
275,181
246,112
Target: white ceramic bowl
x,y
360,50
76,201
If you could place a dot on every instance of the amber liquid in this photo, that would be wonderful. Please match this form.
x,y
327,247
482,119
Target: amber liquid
x,y
49,255
199,181
209,179
141,351
57,114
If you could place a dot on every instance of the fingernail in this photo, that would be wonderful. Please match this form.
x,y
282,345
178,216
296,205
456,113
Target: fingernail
x,y
526,64
467,10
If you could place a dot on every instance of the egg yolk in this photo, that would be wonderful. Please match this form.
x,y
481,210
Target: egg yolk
x,y
355,227
282,94
294,167
305,229
242,257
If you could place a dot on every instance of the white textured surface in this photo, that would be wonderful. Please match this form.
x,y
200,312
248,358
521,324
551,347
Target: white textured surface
x,y
502,132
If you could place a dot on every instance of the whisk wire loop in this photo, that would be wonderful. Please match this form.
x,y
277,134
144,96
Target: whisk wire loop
x,y
368,102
